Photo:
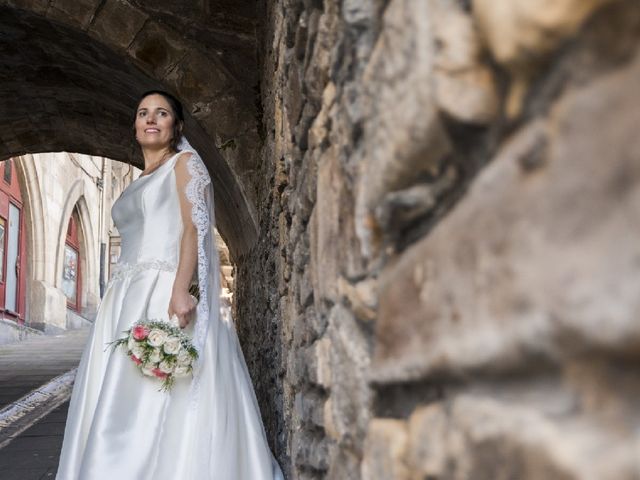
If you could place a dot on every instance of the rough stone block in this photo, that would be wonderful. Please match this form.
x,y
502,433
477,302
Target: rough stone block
x,y
295,368
310,450
403,138
521,31
522,34
318,363
350,393
536,258
362,297
197,73
326,231
478,437
309,407
429,429
464,86
157,48
37,6
319,59
117,23
319,131
305,290
75,12
384,450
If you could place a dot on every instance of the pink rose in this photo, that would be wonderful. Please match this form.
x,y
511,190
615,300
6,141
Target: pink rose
x,y
140,332
136,359
159,373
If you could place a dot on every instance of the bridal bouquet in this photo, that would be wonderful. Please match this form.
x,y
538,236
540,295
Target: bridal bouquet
x,y
159,349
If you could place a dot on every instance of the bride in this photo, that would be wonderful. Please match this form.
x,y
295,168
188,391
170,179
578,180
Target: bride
x,y
119,424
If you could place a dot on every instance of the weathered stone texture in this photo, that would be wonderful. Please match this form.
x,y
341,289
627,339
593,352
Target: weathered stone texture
x,y
522,280
115,15
453,186
385,448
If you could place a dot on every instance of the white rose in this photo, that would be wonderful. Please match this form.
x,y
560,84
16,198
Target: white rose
x,y
147,369
172,345
166,366
184,358
137,350
157,337
131,343
155,356
181,371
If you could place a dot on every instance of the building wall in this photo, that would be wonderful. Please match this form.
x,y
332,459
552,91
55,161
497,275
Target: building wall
x,y
53,185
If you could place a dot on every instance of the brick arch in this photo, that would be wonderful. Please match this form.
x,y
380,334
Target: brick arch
x,y
71,73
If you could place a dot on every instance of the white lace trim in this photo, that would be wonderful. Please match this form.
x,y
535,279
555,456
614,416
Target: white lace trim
x,y
195,193
124,270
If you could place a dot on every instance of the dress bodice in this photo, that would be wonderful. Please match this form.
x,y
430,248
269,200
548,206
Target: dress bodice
x,y
147,216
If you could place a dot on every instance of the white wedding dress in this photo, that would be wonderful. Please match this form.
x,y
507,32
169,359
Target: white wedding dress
x,y
119,425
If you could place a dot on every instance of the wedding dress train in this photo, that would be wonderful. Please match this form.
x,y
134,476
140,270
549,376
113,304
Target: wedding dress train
x,y
119,425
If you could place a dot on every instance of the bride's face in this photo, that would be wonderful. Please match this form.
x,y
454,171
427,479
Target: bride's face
x,y
154,122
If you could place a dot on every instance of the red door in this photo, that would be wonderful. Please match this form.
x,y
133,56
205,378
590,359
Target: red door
x,y
12,245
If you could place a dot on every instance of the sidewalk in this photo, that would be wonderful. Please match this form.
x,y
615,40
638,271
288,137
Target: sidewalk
x,y
34,455
28,364
24,367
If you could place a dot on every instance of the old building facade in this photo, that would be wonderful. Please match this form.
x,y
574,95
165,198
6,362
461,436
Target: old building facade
x,y
59,241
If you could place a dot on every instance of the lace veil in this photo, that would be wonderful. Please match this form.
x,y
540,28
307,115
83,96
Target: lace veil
x,y
199,192
213,321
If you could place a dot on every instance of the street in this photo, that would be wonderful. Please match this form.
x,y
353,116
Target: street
x,y
35,383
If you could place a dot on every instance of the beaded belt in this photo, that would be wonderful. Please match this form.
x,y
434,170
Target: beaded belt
x,y
124,270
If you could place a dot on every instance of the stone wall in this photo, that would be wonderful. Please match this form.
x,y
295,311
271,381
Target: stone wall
x,y
446,281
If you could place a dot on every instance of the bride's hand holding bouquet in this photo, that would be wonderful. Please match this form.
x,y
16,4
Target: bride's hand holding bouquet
x,y
159,348
182,305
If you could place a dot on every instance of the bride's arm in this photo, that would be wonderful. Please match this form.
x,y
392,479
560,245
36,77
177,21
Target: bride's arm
x,y
181,302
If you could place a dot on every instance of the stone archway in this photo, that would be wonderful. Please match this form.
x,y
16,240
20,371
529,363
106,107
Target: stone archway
x,y
70,75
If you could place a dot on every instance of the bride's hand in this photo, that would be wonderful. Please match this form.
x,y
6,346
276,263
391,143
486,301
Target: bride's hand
x,y
182,304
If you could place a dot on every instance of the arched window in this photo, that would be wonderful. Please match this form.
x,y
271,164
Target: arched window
x,y
71,277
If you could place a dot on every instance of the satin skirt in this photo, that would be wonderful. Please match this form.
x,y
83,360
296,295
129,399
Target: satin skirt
x,y
120,426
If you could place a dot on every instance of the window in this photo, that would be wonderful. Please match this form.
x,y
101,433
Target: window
x,y
7,171
70,274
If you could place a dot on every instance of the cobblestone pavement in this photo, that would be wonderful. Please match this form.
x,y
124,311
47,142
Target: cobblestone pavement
x,y
25,366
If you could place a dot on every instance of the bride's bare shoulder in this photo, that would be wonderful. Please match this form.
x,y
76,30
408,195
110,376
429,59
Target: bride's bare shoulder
x,y
184,157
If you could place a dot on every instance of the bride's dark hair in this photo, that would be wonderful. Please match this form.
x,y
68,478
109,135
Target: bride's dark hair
x,y
176,107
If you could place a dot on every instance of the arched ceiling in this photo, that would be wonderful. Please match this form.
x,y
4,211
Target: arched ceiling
x,y
71,72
